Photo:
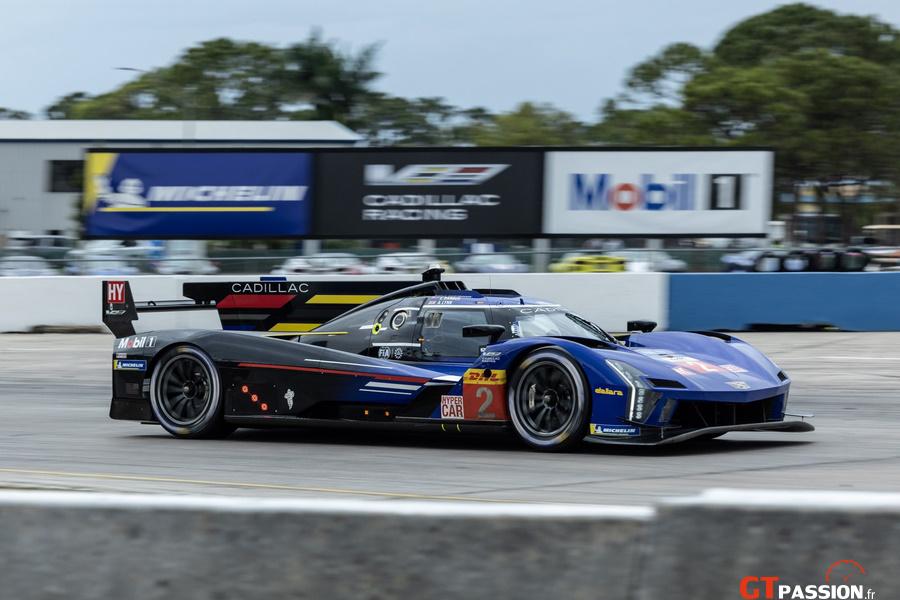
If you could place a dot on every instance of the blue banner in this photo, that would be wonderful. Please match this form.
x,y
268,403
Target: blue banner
x,y
197,194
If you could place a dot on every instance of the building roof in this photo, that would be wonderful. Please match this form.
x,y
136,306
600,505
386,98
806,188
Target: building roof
x,y
176,130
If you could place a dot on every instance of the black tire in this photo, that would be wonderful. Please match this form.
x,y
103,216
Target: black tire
x,y
769,262
795,262
825,260
548,401
186,394
853,259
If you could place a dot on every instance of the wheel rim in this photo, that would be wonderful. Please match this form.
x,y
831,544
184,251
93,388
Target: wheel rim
x,y
546,399
184,389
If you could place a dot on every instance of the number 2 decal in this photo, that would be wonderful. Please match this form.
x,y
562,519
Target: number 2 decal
x,y
480,388
488,395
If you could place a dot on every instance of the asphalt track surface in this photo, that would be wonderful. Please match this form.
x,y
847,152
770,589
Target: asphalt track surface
x,y
55,434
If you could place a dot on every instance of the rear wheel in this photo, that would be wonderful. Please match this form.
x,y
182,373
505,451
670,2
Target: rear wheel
x,y
186,394
547,401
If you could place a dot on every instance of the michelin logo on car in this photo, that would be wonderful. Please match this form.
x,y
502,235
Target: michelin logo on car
x,y
130,365
622,430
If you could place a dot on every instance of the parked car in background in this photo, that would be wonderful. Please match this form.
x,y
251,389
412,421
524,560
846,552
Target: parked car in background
x,y
25,266
186,266
741,261
41,245
651,260
490,263
323,263
124,249
184,257
407,262
588,263
101,264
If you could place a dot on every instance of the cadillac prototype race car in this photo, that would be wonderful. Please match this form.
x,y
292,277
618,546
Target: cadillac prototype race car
x,y
433,353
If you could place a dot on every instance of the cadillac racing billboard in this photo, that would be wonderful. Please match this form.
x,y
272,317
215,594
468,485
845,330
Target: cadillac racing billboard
x,y
173,194
416,193
664,192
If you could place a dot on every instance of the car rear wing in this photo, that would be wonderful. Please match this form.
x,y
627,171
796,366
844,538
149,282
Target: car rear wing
x,y
120,311
269,305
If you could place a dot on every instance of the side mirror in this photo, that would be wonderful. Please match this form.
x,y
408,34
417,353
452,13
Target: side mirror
x,y
493,332
642,326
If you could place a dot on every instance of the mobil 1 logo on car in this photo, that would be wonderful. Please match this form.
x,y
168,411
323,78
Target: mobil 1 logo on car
x,y
430,193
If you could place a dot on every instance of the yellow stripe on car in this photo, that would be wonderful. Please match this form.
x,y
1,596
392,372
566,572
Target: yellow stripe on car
x,y
294,326
342,298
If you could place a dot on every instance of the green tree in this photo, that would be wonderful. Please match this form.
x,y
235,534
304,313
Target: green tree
x,y
392,121
13,114
530,124
219,79
64,108
819,87
334,83
225,79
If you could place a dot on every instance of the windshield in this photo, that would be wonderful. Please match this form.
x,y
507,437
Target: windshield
x,y
550,320
553,321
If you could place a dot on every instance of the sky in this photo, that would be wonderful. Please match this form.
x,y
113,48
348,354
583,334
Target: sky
x,y
491,53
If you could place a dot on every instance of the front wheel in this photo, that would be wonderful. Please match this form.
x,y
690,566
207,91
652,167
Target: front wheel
x,y
547,400
186,394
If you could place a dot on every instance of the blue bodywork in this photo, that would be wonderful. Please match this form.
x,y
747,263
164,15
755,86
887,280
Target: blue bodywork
x,y
686,372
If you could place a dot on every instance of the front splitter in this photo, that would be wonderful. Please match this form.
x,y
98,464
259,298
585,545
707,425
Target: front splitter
x,y
784,426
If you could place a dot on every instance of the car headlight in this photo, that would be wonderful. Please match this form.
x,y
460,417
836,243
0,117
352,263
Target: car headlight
x,y
642,398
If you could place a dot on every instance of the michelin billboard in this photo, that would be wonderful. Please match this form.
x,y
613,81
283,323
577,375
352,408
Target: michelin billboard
x,y
658,192
141,194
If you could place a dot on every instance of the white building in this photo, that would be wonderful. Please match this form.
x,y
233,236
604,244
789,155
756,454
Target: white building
x,y
41,161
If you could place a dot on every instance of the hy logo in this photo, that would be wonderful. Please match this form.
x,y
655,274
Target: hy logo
x,y
431,174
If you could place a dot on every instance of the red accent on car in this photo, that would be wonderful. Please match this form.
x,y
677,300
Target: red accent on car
x,y
255,300
382,376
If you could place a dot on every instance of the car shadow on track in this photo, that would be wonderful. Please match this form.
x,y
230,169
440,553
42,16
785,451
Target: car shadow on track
x,y
489,441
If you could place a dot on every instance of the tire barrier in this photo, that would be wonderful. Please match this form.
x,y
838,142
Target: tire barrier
x,y
721,544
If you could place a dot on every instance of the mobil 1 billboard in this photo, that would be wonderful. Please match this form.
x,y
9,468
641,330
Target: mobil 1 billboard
x,y
425,193
658,193
196,194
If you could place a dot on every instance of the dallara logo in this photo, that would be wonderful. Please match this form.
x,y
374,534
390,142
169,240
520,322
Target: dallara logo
x,y
609,391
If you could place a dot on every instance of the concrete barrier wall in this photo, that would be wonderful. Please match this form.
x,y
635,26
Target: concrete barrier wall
x,y
159,548
610,299
739,301
77,545
703,547
733,301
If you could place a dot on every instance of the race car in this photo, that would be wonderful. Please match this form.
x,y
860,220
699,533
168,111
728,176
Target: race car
x,y
437,354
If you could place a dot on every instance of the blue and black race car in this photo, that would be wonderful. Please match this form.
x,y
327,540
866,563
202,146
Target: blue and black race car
x,y
433,353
